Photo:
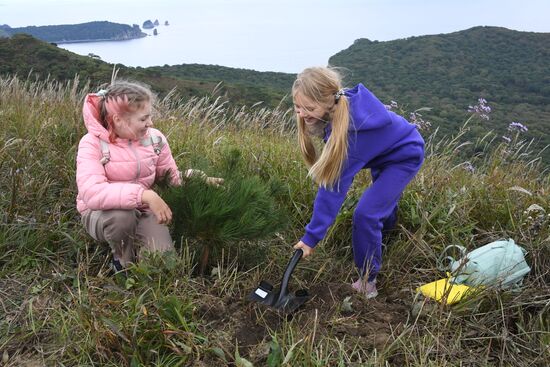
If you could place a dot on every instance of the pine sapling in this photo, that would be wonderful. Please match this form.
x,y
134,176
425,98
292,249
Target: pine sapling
x,y
243,208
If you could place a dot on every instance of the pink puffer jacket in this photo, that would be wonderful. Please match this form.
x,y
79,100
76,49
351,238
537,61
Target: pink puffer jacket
x,y
132,167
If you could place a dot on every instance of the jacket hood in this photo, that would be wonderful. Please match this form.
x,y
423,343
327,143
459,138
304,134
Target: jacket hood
x,y
367,112
90,113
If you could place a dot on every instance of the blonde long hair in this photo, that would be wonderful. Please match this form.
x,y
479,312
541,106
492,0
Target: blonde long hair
x,y
320,85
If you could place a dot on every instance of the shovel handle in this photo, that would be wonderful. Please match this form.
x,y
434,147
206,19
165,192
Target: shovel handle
x,y
289,269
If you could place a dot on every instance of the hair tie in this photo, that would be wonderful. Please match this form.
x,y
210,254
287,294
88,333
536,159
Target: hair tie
x,y
339,94
102,93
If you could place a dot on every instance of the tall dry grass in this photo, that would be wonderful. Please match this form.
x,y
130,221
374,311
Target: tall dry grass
x,y
59,305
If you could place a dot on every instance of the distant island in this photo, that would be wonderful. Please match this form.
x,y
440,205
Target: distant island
x,y
148,24
84,32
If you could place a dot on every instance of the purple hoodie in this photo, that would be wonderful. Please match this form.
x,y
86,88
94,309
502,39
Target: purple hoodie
x,y
376,138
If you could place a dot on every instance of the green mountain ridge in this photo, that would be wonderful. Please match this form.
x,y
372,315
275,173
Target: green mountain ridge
x,y
446,72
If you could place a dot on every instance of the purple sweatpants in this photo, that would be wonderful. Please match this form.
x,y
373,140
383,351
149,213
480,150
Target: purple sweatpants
x,y
376,212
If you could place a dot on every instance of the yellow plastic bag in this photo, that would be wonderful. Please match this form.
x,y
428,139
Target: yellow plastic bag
x,y
443,290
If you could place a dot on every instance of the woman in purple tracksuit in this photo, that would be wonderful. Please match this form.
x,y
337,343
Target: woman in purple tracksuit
x,y
359,133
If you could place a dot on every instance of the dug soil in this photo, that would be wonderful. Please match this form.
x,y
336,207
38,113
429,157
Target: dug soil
x,y
335,310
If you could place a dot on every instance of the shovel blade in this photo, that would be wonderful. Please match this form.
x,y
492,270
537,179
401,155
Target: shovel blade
x,y
281,299
263,294
292,302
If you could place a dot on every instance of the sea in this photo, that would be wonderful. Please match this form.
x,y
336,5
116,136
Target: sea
x,y
282,36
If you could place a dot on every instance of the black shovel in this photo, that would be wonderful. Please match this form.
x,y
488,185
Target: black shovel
x,y
281,300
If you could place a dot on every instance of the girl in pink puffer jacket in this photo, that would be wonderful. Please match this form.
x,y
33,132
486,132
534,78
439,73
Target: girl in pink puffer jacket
x,y
118,161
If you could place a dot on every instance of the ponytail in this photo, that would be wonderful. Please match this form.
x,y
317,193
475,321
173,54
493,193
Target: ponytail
x,y
324,86
328,168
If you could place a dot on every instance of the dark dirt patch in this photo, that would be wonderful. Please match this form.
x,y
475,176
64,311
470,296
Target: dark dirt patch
x,y
372,323
237,322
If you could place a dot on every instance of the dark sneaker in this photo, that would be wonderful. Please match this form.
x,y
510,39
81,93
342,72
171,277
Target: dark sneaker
x,y
117,267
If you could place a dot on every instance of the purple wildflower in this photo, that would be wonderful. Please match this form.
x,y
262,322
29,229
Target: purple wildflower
x,y
391,106
416,118
517,126
468,166
481,109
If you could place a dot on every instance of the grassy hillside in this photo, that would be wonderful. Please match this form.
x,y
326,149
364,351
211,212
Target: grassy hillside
x,y
60,306
274,85
448,72
22,55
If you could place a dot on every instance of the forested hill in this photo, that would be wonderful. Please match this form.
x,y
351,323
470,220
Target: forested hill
x,y
448,72
22,54
278,81
91,31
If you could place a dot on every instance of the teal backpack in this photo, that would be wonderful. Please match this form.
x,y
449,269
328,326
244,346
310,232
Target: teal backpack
x,y
500,263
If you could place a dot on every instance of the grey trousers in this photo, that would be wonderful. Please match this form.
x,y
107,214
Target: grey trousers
x,y
127,232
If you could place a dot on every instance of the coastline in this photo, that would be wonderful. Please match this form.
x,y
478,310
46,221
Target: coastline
x,y
97,40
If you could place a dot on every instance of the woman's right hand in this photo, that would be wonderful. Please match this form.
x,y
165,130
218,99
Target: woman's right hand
x,y
305,248
158,206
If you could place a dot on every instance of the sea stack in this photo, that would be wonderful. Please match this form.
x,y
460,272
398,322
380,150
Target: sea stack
x,y
148,24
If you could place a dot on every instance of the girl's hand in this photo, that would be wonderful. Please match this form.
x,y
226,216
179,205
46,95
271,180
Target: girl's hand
x,y
195,173
158,206
214,181
305,248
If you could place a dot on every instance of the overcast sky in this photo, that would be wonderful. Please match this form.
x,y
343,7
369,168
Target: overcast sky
x,y
377,19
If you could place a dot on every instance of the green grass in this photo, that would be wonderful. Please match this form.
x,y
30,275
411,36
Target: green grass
x,y
60,306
